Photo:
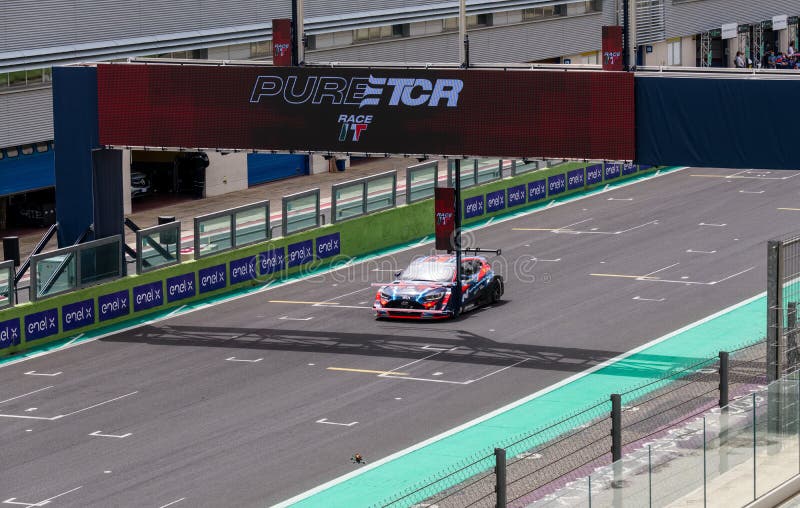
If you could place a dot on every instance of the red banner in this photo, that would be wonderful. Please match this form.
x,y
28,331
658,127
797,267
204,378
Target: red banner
x,y
445,214
282,42
612,48
489,113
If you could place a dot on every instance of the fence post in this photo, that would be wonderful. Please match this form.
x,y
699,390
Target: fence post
x,y
500,475
791,337
724,374
616,445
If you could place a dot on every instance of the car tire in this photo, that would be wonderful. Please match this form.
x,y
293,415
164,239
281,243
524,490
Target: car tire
x,y
496,290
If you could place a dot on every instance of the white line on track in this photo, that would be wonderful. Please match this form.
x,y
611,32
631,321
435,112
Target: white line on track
x,y
388,373
34,373
546,260
751,192
701,251
713,225
639,298
660,270
96,405
620,199
172,503
287,318
325,421
234,359
43,502
118,436
26,394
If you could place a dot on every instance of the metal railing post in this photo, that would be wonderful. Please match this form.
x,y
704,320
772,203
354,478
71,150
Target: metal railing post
x,y
500,475
616,447
724,373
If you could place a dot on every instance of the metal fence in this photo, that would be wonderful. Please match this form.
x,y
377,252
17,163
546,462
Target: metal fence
x,y
300,211
365,195
541,463
231,228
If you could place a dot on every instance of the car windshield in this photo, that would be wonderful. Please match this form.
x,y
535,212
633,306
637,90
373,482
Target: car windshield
x,y
432,272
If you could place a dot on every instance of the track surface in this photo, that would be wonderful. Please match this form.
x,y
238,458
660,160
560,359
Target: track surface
x,y
236,405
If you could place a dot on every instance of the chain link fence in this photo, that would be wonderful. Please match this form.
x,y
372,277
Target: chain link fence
x,y
545,460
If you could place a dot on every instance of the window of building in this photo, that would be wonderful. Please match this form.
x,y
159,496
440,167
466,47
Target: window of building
x,y
590,58
593,6
674,52
27,149
42,147
12,151
2,155
548,11
477,20
261,49
381,32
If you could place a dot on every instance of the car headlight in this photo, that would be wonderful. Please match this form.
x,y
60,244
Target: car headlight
x,y
436,295
384,295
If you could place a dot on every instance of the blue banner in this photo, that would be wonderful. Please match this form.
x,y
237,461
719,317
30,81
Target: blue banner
x,y
9,333
594,174
556,184
516,195
575,179
78,314
473,207
273,260
148,296
643,167
613,170
328,246
629,168
242,270
495,201
113,305
41,324
180,287
211,278
300,253
537,190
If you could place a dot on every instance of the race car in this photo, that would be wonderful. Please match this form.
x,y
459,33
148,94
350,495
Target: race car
x,y
424,289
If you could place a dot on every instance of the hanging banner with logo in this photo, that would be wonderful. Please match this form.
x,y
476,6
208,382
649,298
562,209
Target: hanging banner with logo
x,y
282,42
475,112
445,215
612,48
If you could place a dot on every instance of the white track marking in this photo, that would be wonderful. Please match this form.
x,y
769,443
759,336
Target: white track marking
x,y
660,270
546,260
26,394
636,227
713,225
751,192
639,298
274,284
234,359
346,294
434,348
34,373
325,421
701,251
497,371
287,318
172,503
732,276
620,199
388,373
12,500
120,436
96,405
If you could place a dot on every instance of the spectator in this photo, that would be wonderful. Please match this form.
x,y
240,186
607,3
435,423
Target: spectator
x,y
771,60
739,60
790,51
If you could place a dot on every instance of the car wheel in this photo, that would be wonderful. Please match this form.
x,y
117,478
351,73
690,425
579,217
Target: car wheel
x,y
496,291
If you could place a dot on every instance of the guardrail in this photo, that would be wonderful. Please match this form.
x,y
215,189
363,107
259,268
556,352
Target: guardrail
x,y
300,211
158,247
364,195
228,229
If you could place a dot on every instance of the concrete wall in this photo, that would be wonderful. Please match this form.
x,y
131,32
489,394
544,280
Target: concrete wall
x,y
226,172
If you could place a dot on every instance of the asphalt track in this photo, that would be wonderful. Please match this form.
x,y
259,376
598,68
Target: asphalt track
x,y
254,400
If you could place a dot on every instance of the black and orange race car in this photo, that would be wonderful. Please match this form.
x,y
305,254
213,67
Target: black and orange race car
x,y
424,289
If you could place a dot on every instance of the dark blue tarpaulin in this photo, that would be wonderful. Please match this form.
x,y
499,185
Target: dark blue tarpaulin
x,y
722,122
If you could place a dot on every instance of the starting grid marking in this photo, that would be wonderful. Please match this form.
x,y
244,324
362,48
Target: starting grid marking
x,y
58,417
748,174
593,231
650,278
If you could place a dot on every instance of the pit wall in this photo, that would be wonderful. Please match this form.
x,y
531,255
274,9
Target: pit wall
x,y
36,324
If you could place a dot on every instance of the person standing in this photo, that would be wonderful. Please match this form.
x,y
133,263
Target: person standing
x,y
738,62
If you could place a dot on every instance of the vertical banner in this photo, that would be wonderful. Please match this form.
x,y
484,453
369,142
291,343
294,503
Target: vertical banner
x,y
445,212
282,42
612,48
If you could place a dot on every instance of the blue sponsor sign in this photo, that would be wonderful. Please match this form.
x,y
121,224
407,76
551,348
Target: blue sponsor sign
x,y
300,253
495,201
211,278
575,179
180,287
148,296
516,195
9,333
242,270
613,170
328,246
556,184
594,174
273,260
41,324
537,190
643,167
629,168
473,207
113,305
78,314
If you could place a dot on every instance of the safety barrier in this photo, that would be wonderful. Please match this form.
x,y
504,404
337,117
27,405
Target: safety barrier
x,y
36,323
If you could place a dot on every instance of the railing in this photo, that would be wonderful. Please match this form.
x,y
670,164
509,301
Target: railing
x,y
365,195
64,270
421,180
158,246
231,228
301,211
7,284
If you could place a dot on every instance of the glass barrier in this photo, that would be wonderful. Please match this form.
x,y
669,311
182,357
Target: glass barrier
x,y
421,180
381,191
158,246
300,211
77,266
231,228
523,166
469,173
488,170
7,272
348,200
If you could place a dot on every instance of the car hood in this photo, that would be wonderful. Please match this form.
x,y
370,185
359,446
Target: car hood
x,y
411,288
